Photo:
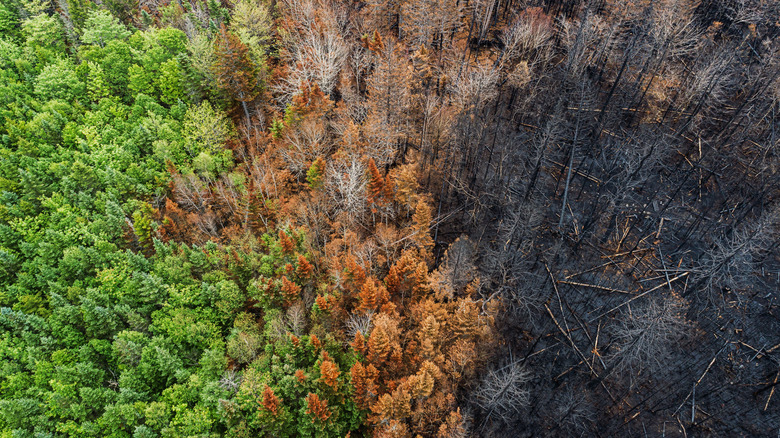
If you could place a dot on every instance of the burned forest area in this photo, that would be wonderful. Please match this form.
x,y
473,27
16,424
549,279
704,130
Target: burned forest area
x,y
389,218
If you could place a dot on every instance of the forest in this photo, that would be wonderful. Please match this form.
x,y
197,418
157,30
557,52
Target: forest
x,y
389,218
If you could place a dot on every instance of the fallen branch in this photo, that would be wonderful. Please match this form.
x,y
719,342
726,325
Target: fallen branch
x,y
594,286
700,378
638,297
772,392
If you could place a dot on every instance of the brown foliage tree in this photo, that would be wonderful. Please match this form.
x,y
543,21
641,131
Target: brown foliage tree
x,y
329,373
317,408
234,70
270,401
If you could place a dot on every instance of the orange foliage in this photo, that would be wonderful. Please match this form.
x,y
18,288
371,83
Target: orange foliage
x,y
383,343
359,343
355,272
322,303
310,100
329,373
304,269
363,381
466,319
288,245
234,70
453,426
376,184
408,275
422,222
290,290
372,295
373,43
317,408
270,401
392,429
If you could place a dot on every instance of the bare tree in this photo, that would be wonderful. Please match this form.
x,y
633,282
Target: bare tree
x,y
457,268
346,187
503,394
528,39
730,263
359,323
573,413
645,337
315,50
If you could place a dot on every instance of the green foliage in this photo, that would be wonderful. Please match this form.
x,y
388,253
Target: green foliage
x,y
169,82
144,227
101,28
115,58
206,128
290,366
252,23
245,340
276,128
79,11
9,21
315,174
106,330
97,87
44,32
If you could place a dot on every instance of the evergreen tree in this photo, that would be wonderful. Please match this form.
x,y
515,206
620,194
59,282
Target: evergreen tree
x,y
234,70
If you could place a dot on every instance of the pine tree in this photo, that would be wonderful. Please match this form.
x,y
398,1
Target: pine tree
x,y
359,343
465,322
287,243
371,296
453,426
383,343
421,384
290,290
234,70
374,42
316,173
376,184
422,223
329,373
406,180
362,378
317,408
97,87
270,401
304,268
428,336
355,273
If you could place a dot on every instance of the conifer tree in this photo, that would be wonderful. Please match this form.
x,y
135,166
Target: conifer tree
x,y
234,70
329,373
317,407
316,174
422,222
270,401
376,184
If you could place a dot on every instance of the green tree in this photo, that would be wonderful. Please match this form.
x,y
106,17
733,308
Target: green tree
x,y
205,129
45,35
101,28
59,81
169,82
97,87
